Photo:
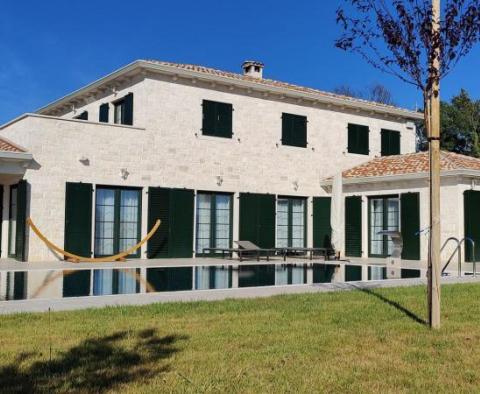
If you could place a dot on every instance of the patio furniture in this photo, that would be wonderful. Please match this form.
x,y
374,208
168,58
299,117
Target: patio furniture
x,y
326,252
246,248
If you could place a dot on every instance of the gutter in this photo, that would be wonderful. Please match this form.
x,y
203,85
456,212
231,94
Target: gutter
x,y
180,72
404,177
15,156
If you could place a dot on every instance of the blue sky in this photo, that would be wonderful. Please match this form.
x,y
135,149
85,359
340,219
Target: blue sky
x,y
49,48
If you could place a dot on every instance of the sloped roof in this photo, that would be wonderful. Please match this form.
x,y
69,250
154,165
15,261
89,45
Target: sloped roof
x,y
267,82
7,146
412,163
231,78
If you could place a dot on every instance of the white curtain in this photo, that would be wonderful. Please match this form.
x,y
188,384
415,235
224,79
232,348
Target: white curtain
x,y
336,214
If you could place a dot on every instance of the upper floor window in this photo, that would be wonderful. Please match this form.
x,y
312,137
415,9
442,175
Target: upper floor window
x,y
217,119
294,130
82,116
123,110
358,139
390,142
103,113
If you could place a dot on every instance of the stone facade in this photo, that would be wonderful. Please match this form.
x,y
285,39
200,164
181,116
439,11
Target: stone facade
x,y
165,147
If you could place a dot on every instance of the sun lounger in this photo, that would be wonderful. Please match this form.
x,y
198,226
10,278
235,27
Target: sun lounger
x,y
245,249
325,252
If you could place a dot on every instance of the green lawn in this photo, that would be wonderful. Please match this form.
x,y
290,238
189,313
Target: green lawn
x,y
335,342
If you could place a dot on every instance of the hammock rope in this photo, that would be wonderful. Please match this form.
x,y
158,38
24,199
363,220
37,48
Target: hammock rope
x,y
78,259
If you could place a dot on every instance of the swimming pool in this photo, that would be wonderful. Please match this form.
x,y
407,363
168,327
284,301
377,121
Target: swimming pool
x,y
71,283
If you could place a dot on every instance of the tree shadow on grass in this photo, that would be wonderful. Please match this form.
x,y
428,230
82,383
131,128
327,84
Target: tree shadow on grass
x,y
95,365
395,304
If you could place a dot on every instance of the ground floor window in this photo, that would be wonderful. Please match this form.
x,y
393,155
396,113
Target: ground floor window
x,y
291,215
384,214
12,228
117,220
213,221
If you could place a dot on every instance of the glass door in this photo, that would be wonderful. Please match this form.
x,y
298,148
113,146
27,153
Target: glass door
x,y
117,220
384,215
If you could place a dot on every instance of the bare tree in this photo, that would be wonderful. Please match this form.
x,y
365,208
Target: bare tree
x,y
380,94
410,40
376,92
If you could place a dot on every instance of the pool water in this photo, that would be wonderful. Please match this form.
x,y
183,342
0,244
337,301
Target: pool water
x,y
53,284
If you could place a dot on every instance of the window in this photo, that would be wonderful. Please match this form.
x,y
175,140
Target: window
x,y
117,220
103,113
384,214
12,229
217,119
123,110
82,116
358,139
390,142
291,215
214,221
294,130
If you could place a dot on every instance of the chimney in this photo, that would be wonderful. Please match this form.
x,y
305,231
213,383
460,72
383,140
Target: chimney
x,y
253,69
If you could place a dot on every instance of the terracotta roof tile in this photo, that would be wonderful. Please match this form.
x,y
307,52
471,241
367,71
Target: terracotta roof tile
x,y
7,146
410,164
267,82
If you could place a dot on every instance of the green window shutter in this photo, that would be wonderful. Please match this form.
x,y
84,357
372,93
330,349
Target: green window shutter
x,y
209,117
287,129
103,113
322,230
353,226
217,119
224,120
181,222
266,225
294,130
78,218
358,139
390,142
257,219
410,222
174,237
82,116
20,234
471,214
159,208
128,110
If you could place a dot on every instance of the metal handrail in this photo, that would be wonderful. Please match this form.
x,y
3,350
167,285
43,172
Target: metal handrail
x,y
472,244
456,250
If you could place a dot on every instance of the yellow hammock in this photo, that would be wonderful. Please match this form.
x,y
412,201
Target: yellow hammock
x,y
77,259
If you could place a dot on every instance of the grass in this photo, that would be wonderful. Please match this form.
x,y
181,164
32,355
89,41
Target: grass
x,y
336,342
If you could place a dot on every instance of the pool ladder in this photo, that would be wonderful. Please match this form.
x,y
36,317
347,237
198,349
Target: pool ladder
x,y
458,252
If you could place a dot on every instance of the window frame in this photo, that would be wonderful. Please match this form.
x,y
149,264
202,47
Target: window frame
x,y
116,219
289,238
119,104
213,222
385,238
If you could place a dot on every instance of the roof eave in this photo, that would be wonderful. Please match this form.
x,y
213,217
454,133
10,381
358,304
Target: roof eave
x,y
404,177
172,70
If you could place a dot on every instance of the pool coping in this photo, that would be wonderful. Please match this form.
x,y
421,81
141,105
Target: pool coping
x,y
77,303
